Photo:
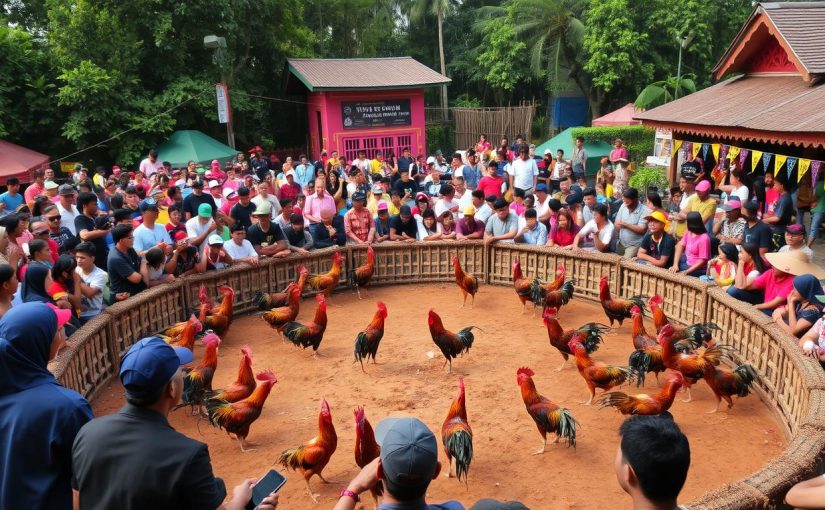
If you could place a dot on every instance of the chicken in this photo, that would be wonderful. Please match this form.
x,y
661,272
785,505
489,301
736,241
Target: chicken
x,y
641,338
187,335
366,343
589,335
692,366
466,282
278,317
206,304
696,334
236,417
549,417
557,298
327,282
277,299
597,374
457,436
647,359
451,344
311,457
205,299
221,317
643,404
521,284
617,309
725,383
311,333
360,276
198,380
539,290
244,385
366,448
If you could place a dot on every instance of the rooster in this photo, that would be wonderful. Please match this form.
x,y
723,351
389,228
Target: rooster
x,y
221,317
361,275
589,335
696,334
692,366
555,299
645,404
366,448
457,436
277,299
206,304
451,344
311,333
617,309
597,374
278,317
311,457
726,383
641,338
549,417
236,417
244,385
466,282
366,343
327,282
647,359
198,380
187,335
539,290
521,284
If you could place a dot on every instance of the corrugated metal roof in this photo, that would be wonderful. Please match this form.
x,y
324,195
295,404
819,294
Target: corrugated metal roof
x,y
801,25
363,73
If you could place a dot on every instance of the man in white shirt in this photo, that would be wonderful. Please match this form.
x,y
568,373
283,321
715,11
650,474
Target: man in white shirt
x,y
484,207
150,165
239,248
263,195
596,234
542,202
446,202
92,281
199,227
68,211
362,162
462,194
523,171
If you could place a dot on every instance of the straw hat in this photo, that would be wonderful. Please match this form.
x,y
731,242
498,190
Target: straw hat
x,y
796,263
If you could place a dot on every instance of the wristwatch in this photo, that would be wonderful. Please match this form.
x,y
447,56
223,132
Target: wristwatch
x,y
347,492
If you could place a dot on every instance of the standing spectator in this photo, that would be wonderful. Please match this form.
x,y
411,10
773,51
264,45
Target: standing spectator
x,y
802,309
403,227
317,203
503,225
472,171
780,216
149,234
482,146
406,187
66,208
123,265
597,233
559,164
358,223
330,231
795,240
239,248
290,189
491,183
92,281
263,195
11,199
631,223
533,232
579,160
469,227
297,236
200,227
523,171
93,228
39,418
192,203
619,160
242,211
381,224
265,236
657,246
731,230
736,188
693,250
61,235
150,164
305,172
36,188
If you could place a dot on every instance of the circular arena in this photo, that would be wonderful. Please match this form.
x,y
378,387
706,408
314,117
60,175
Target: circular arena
x,y
744,457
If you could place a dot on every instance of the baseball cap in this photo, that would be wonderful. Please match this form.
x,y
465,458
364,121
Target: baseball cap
x,y
229,193
359,196
290,173
149,365
421,197
63,315
732,205
50,185
263,209
703,186
547,152
574,198
500,203
205,211
541,187
431,160
470,210
150,205
214,239
65,190
404,211
377,189
795,229
409,452
382,206
657,216
213,183
200,170
180,235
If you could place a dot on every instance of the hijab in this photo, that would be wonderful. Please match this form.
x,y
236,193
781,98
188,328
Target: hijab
x,y
34,284
808,287
26,335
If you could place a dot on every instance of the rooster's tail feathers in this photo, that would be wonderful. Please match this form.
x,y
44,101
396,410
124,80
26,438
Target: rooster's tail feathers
x,y
466,336
639,362
218,411
641,302
746,374
361,348
289,457
291,330
567,426
262,300
460,446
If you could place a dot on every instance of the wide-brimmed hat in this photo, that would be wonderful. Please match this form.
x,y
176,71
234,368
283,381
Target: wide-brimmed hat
x,y
795,262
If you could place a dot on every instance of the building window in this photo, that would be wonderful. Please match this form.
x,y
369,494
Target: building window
x,y
385,144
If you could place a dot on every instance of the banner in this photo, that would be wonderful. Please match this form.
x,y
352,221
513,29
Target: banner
x,y
804,164
756,157
780,160
705,148
733,153
743,156
381,113
696,148
677,144
814,171
715,148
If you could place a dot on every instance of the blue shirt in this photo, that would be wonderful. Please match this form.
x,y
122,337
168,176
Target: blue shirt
x,y
12,202
536,236
145,238
304,174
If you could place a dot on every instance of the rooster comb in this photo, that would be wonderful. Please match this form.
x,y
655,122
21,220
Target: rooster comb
x,y
525,371
267,375
655,299
211,338
359,414
246,350
302,269
636,309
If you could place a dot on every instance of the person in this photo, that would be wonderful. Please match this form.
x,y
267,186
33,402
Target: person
x,y
533,232
756,232
447,226
731,230
631,223
403,227
432,183
330,231
407,464
358,223
802,309
750,265
200,227
60,235
736,188
523,171
151,374
653,202
601,226
65,206
317,203
693,249
491,183
242,211
175,224
381,223
565,230
216,257
652,461
473,170
11,199
8,287
65,288
517,205
239,248
579,159
150,164
39,418
297,235
808,493
446,201
192,203
266,237
770,289
36,188
149,234
501,226
483,145
35,284
564,189
795,240
123,265
468,227
657,246
92,282
722,268
264,195
428,227
405,187
700,202
781,215
619,160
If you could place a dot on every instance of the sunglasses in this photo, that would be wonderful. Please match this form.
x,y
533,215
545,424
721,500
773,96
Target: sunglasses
x,y
53,218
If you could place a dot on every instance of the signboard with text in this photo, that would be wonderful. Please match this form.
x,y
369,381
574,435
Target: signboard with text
x,y
368,114
223,103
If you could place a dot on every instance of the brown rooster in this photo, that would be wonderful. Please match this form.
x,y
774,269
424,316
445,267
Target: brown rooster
x,y
186,337
647,359
643,404
726,383
521,284
311,457
197,382
278,317
311,333
221,317
360,276
538,290
236,417
696,334
555,299
327,282
366,343
466,282
597,374
617,309
692,366
589,335
244,385
549,417
366,448
457,436
277,299
641,338
451,344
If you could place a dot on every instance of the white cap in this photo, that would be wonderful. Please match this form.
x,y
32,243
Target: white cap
x,y
431,160
214,239
547,151
214,184
229,193
290,172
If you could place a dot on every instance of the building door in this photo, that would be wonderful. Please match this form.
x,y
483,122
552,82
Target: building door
x,y
385,144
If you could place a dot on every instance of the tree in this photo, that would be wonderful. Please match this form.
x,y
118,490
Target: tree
x,y
439,8
664,91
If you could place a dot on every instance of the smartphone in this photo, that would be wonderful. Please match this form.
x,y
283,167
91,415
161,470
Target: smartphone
x,y
271,482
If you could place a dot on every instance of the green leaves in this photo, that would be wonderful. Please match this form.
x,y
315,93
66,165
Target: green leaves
x,y
661,92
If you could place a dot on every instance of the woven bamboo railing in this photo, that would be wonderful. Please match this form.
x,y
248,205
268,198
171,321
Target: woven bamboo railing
x,y
790,384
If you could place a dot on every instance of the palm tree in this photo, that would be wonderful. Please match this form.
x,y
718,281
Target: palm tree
x,y
661,92
438,8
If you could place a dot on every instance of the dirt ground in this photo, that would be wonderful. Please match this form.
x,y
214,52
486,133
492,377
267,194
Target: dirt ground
x,y
408,381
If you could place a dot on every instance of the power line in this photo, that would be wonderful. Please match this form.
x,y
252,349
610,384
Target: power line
x,y
269,98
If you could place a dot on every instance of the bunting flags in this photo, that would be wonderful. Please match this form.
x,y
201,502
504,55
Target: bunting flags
x,y
756,157
696,148
804,164
705,148
780,160
815,171
687,147
743,156
766,159
677,144
723,153
715,149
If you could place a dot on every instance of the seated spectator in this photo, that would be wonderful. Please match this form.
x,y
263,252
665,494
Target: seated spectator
x,y
657,247
403,227
124,265
769,290
266,237
297,235
731,230
243,209
554,207
8,287
701,203
750,265
468,227
287,210
652,461
201,226
565,232
756,232
722,268
37,279
447,201
518,206
428,227
239,248
216,256
693,249
596,234
65,288
92,282
601,193
66,241
394,204
422,203
39,418
446,225
503,225
630,223
795,240
484,208
330,231
358,224
381,223
533,232
802,309
154,270
149,234
673,205
653,203
185,259
406,466
41,231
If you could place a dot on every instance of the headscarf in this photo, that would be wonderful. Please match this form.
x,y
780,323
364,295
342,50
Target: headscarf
x,y
26,335
34,284
808,287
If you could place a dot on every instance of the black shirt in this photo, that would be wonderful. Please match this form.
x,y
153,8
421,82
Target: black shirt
x,y
759,234
665,248
782,210
410,228
134,459
404,163
66,241
243,213
82,223
257,237
120,266
401,187
321,237
193,201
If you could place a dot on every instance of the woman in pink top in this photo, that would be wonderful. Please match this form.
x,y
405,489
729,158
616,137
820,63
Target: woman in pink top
x,y
483,145
619,159
693,250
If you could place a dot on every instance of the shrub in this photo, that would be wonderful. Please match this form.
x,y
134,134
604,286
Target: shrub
x,y
639,140
649,176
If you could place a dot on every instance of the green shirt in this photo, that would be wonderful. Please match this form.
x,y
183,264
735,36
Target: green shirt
x,y
819,193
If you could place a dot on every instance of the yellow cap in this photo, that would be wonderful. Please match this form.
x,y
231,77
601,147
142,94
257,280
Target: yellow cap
x,y
470,210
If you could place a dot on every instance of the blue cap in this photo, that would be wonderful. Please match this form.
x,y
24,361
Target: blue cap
x,y
150,364
541,187
148,204
409,452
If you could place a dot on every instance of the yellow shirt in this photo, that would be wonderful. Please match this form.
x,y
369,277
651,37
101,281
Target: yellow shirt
x,y
375,167
707,209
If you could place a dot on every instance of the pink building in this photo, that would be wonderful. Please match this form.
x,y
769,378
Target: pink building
x,y
371,104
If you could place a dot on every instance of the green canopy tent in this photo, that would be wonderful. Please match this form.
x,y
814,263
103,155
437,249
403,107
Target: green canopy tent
x,y
596,149
191,145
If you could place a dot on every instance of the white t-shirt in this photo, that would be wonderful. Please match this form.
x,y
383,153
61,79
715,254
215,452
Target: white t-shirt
x,y
97,280
276,205
194,228
741,192
145,238
605,235
483,213
524,172
243,251
541,208
148,168
442,205
466,199
67,217
558,170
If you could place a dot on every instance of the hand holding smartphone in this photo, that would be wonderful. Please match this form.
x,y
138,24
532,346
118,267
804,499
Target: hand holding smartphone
x,y
271,482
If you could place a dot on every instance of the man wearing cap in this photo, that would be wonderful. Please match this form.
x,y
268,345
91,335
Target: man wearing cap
x,y
631,223
403,227
501,226
49,190
93,228
65,206
116,458
264,196
700,202
124,265
468,227
406,466
381,223
523,171
150,164
731,229
795,240
149,234
199,228
192,203
657,246
265,236
291,189
358,223
216,257
756,232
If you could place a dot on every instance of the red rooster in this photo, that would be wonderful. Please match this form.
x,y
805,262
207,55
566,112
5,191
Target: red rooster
x,y
466,282
327,282
311,457
641,338
647,359
645,404
451,344
589,335
692,366
457,436
555,299
278,317
360,276
244,385
221,318
549,417
236,417
597,374
198,380
311,333
726,383
617,309
278,299
539,290
366,343
187,335
366,448
521,284
696,334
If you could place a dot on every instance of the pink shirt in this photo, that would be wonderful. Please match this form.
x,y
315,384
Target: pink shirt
x,y
772,286
148,168
31,192
697,247
620,153
314,205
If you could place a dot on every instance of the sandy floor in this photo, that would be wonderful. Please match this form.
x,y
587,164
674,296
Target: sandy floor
x,y
725,446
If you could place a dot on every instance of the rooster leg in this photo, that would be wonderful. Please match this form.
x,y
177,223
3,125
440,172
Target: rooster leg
x,y
311,494
473,301
543,446
358,291
588,401
465,299
718,401
245,446
690,397
449,468
327,481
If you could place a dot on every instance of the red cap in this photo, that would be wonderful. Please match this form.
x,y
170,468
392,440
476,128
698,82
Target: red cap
x,y
64,315
180,235
296,210
132,175
255,149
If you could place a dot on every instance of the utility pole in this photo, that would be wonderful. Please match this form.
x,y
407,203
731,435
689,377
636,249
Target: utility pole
x,y
218,44
683,43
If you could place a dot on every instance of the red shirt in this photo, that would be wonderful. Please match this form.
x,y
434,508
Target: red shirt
x,y
290,191
490,185
772,285
358,223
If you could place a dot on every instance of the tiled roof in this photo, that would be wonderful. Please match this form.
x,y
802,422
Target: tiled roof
x,y
363,73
